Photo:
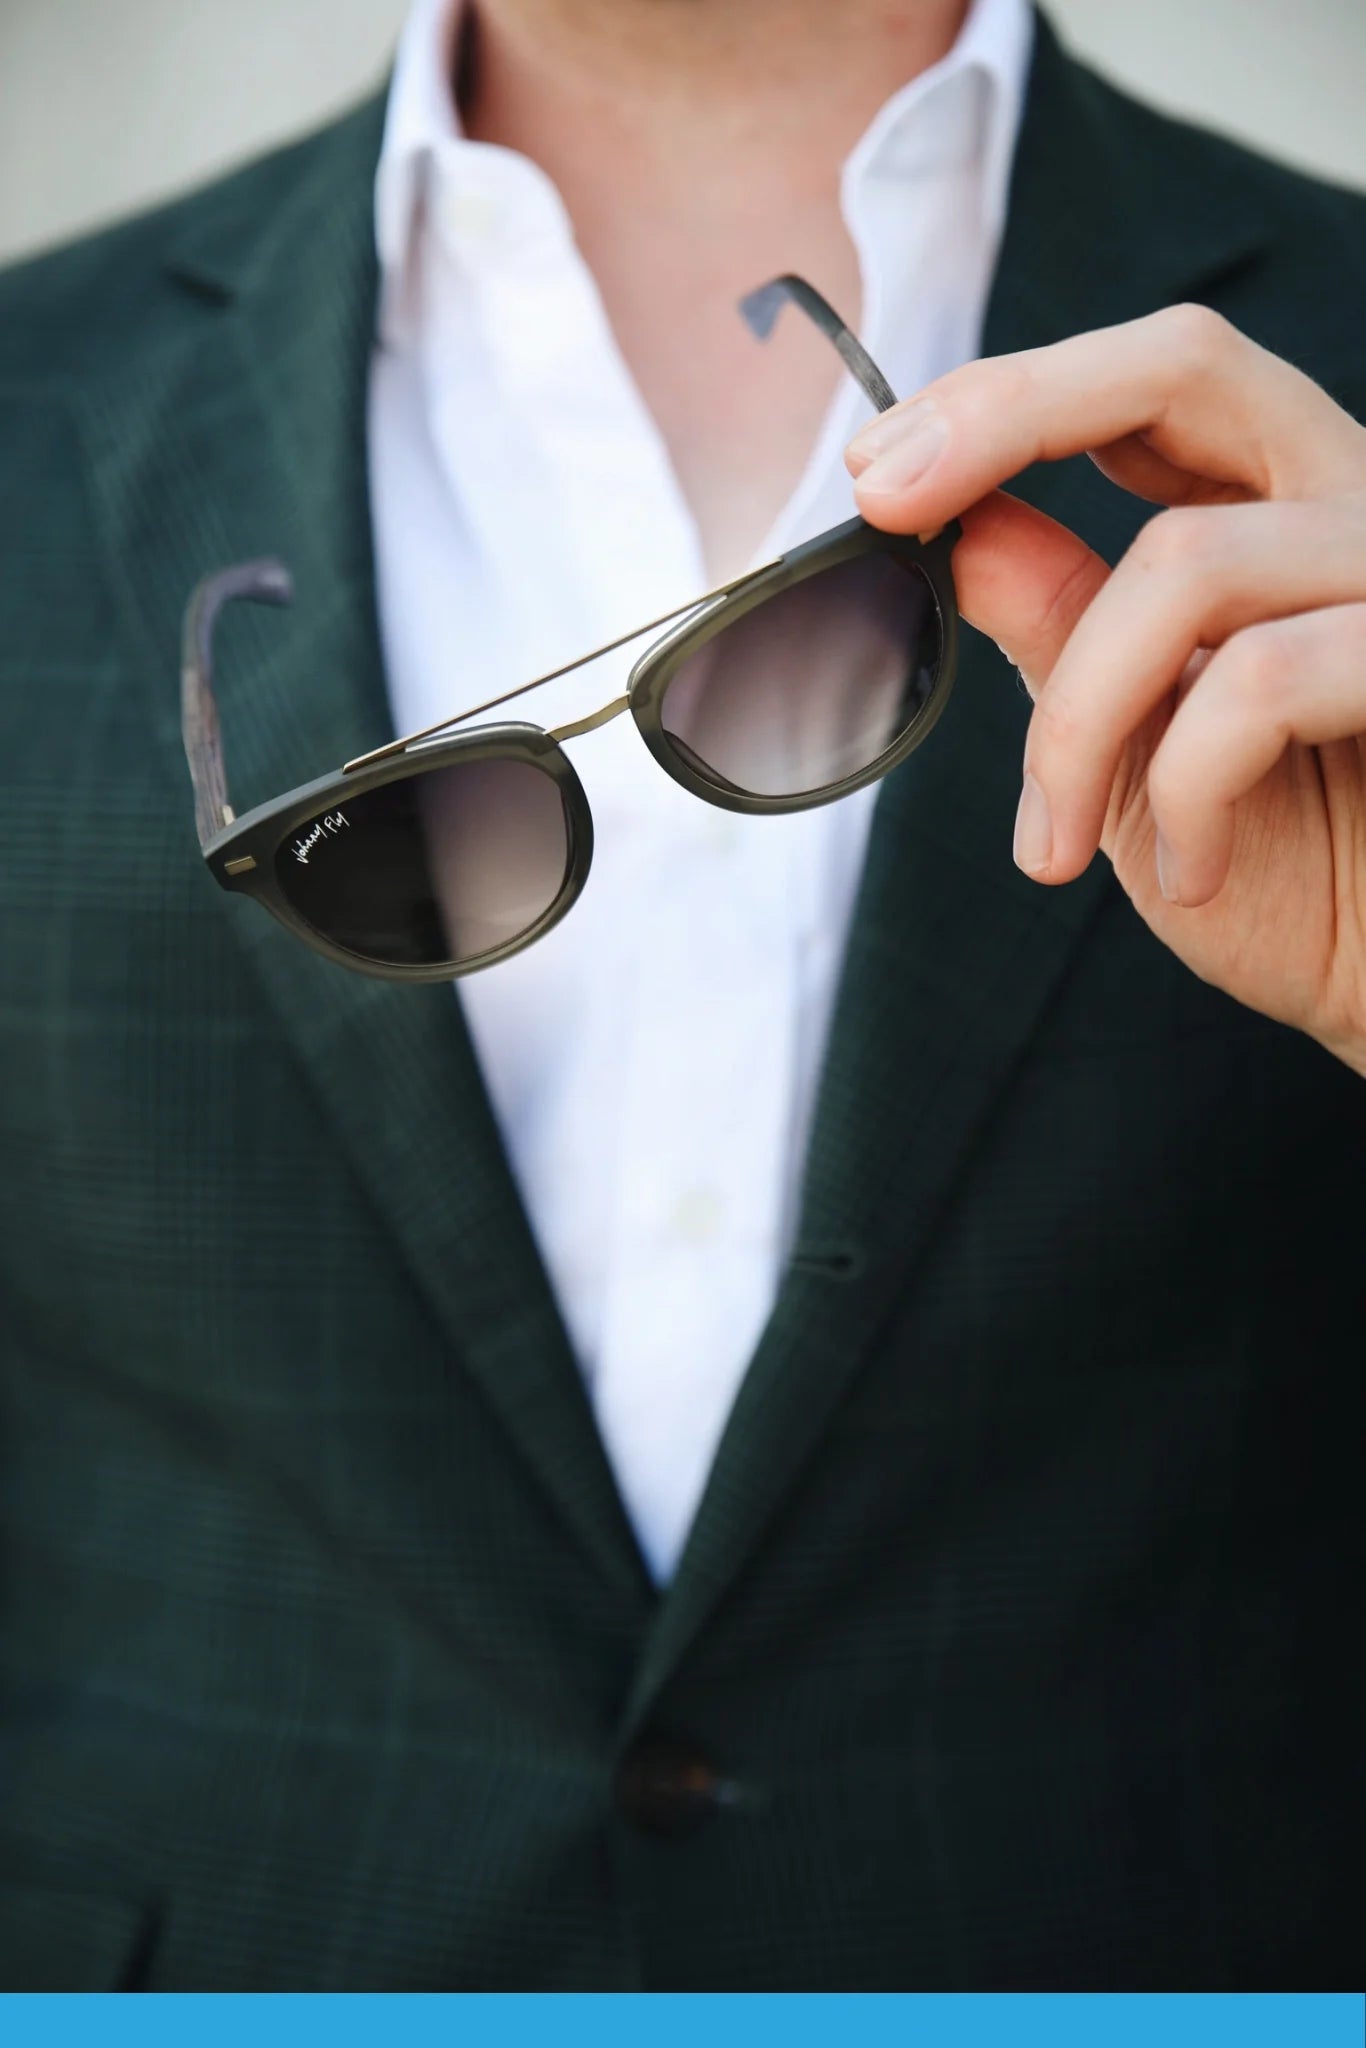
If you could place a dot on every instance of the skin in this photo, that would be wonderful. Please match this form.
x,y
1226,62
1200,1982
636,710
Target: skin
x,y
697,145
1200,714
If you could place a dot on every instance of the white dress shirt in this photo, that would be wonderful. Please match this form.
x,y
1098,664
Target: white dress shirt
x,y
653,1061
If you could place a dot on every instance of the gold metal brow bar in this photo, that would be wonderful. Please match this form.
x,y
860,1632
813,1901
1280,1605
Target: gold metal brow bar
x,y
581,661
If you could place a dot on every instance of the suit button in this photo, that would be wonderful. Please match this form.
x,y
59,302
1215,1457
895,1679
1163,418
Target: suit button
x,y
666,1787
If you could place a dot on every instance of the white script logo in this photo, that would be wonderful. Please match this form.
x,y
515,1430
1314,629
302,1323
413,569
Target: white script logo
x,y
326,828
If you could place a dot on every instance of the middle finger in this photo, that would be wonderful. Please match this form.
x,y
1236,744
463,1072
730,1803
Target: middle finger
x,y
1189,580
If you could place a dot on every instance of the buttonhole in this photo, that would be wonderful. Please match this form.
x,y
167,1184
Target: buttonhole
x,y
200,285
831,1261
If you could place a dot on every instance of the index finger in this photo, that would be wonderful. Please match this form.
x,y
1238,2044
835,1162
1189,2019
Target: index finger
x,y
1204,396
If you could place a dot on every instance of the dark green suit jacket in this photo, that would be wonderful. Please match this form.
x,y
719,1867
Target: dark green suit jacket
x,y
1018,1639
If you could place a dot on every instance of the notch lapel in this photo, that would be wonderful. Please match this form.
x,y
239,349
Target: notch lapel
x,y
953,955
265,376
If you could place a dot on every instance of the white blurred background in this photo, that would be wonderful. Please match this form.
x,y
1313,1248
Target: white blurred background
x,y
108,104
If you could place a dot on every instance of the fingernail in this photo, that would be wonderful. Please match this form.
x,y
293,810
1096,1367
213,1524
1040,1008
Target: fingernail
x,y
1168,872
1033,830
881,433
900,448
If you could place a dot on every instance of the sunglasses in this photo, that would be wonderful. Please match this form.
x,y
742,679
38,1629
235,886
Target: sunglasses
x,y
788,687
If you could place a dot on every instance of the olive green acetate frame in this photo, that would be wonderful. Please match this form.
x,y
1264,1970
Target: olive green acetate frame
x,y
241,853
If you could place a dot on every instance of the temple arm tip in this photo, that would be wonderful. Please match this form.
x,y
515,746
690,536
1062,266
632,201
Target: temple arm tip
x,y
759,309
275,585
266,581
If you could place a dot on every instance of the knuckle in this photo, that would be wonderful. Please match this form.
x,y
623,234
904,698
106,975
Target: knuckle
x,y
1017,380
1199,338
1178,542
1056,725
985,393
1257,669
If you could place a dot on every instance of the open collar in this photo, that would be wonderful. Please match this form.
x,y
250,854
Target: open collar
x,y
953,958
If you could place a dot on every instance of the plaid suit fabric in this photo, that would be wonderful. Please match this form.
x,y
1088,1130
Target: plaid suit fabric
x,y
1020,1615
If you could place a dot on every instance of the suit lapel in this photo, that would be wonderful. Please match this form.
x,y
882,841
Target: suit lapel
x,y
265,375
953,955
952,959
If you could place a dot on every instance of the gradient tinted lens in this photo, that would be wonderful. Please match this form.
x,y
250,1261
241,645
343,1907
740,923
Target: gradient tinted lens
x,y
810,687
438,868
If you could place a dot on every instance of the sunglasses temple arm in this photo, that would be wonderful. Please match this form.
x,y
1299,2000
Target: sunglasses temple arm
x,y
760,311
265,582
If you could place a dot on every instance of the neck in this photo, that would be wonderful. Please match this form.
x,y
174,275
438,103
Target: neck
x,y
693,93
697,146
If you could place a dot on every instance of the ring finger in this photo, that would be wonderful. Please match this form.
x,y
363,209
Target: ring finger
x,y
1190,580
1298,679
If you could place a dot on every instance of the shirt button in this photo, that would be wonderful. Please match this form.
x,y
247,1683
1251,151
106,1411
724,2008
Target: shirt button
x,y
697,1215
666,1787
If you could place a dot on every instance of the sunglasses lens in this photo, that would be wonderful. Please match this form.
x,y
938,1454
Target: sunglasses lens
x,y
813,685
433,870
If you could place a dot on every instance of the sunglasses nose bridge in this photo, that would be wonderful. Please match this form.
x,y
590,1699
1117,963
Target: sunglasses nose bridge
x,y
594,719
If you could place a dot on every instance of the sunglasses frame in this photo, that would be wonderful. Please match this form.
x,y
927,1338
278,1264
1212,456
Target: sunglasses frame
x,y
649,682
242,857
241,853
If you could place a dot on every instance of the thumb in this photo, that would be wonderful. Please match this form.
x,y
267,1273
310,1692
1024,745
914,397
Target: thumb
x,y
1023,580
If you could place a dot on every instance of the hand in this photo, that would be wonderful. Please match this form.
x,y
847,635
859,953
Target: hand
x,y
1199,712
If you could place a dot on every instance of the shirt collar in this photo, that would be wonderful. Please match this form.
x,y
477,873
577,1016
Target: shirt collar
x,y
422,135
421,120
994,44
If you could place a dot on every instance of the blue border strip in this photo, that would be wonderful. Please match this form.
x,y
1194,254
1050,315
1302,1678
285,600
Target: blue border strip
x,y
1082,2020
